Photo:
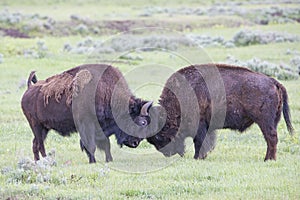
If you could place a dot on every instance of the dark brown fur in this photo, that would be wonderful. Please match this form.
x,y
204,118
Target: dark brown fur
x,y
56,114
250,98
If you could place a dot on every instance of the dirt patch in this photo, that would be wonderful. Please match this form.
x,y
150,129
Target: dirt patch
x,y
106,27
15,33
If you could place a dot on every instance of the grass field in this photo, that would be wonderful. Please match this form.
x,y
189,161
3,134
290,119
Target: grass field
x,y
234,170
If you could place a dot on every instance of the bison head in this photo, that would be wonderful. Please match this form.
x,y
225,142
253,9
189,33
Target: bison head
x,y
163,134
167,144
139,114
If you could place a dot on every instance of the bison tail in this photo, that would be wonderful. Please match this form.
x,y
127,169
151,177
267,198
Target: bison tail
x,y
286,108
32,78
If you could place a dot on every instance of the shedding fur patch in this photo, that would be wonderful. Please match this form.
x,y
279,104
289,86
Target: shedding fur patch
x,y
64,84
82,78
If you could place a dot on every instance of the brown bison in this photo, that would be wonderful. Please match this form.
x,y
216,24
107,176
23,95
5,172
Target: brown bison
x,y
80,100
199,99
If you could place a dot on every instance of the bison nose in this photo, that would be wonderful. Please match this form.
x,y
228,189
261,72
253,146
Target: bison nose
x,y
135,143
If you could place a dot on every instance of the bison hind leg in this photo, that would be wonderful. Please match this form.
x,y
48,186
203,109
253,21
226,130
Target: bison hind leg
x,y
272,141
90,156
35,149
270,135
42,139
40,134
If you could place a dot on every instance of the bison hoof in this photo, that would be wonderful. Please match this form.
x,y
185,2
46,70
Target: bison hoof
x,y
200,157
181,154
269,159
92,160
110,159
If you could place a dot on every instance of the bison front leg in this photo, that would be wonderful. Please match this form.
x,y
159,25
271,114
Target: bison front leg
x,y
208,144
104,145
90,156
198,140
204,143
87,140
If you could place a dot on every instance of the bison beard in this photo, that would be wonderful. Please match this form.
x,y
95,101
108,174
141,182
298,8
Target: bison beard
x,y
49,105
250,98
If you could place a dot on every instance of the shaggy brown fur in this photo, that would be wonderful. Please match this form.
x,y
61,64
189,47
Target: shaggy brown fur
x,y
56,86
82,78
63,84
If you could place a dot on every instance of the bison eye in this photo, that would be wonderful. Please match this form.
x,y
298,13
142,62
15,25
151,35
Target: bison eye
x,y
143,122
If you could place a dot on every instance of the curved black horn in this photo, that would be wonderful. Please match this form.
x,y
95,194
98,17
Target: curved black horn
x,y
144,109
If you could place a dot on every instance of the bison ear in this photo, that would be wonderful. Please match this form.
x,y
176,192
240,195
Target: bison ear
x,y
145,108
132,106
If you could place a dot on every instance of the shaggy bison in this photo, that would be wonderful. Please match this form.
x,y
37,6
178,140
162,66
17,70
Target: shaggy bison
x,y
80,100
224,97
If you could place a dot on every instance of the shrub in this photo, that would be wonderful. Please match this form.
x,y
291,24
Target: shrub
x,y
127,43
81,29
29,171
262,16
10,18
28,23
296,62
276,14
205,40
249,37
281,72
40,51
131,56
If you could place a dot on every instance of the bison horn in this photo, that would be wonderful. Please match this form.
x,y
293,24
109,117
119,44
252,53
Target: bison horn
x,y
145,108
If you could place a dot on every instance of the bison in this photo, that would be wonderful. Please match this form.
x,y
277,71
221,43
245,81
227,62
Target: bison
x,y
79,99
199,99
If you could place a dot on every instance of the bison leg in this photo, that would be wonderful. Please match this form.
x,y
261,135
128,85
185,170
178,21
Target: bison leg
x,y
41,142
105,146
270,135
90,156
198,140
204,143
35,149
38,142
87,139
208,144
90,151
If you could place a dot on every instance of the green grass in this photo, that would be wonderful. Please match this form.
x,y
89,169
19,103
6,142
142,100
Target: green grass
x,y
234,170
